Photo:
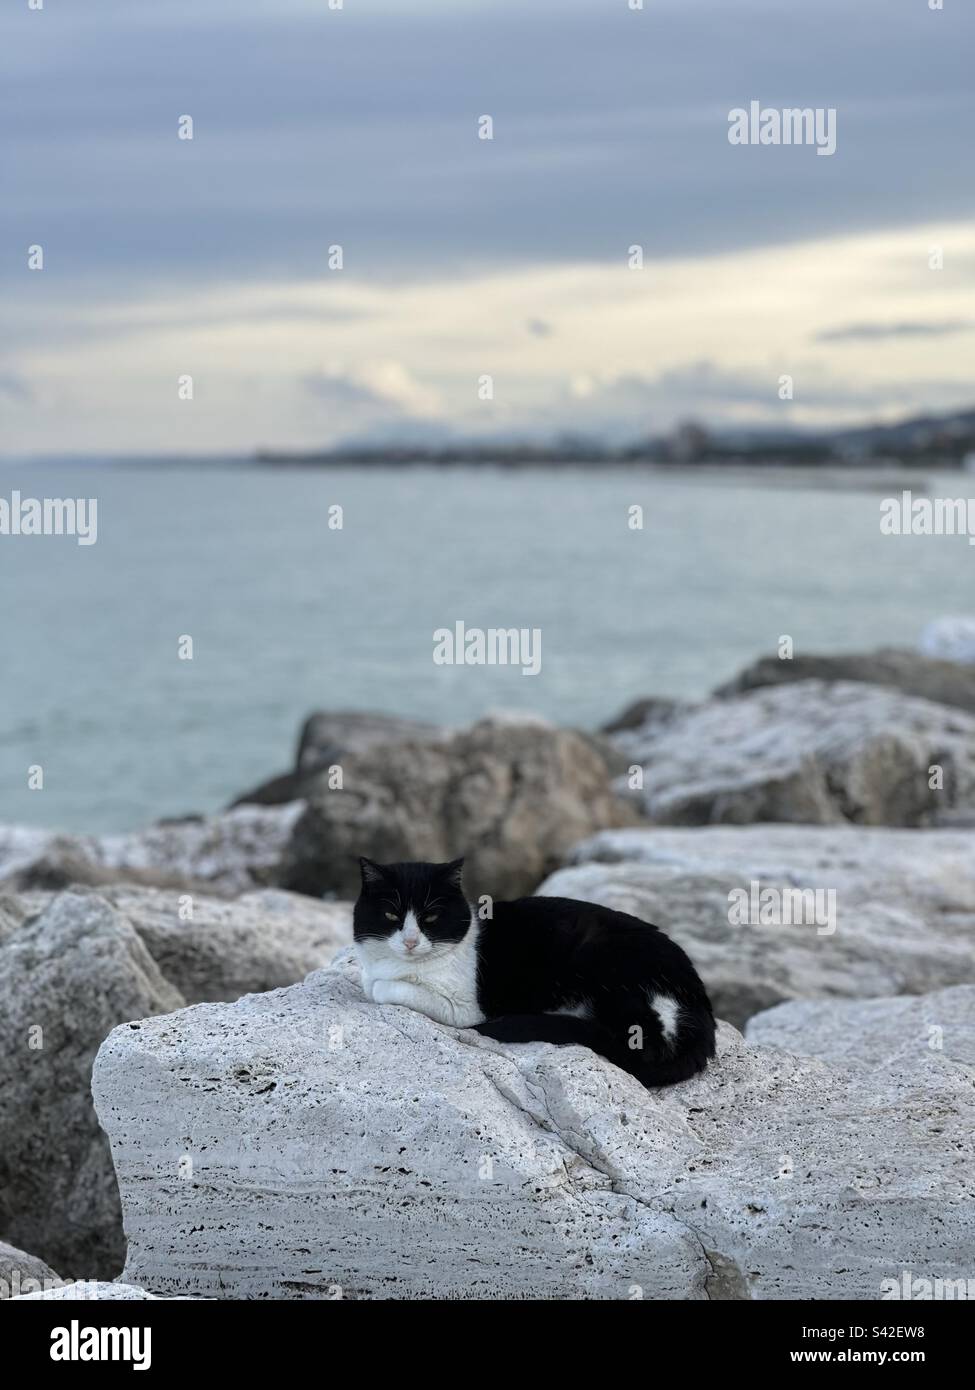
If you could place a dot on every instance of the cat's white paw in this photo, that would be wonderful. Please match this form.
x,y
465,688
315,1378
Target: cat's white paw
x,y
411,996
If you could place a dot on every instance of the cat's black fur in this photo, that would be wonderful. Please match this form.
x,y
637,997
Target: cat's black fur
x,y
535,956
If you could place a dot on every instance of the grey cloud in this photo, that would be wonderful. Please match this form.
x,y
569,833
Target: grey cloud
x,y
868,332
632,405
15,388
359,127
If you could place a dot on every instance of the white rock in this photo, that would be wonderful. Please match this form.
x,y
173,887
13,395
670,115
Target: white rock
x,y
812,751
231,851
66,979
951,638
89,1289
904,903
308,1144
255,942
512,795
23,1273
92,960
227,853
918,1034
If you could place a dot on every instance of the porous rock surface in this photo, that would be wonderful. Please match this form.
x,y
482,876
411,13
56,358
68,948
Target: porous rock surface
x,y
308,1144
918,1033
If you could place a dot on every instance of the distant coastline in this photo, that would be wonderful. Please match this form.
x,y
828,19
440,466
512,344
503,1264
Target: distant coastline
x,y
941,442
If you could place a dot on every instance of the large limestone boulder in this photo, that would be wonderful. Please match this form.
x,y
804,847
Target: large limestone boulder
x,y
652,711
22,1274
904,906
66,979
73,966
229,853
224,949
512,795
917,1033
930,678
306,1144
812,751
327,738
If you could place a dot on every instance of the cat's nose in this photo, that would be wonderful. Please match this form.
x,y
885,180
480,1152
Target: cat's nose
x,y
411,942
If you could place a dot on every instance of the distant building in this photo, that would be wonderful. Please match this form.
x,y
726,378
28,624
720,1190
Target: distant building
x,y
689,443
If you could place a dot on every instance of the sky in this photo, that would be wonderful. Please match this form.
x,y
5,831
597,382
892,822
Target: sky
x,y
465,258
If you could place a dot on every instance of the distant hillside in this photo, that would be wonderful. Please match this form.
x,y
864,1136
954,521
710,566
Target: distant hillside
x,y
944,441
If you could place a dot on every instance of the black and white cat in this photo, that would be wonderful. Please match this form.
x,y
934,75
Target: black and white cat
x,y
538,970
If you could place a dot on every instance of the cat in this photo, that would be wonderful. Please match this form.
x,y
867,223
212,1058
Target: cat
x,y
538,970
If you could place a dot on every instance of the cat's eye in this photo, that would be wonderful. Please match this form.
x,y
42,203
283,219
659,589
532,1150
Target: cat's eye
x,y
391,917
431,918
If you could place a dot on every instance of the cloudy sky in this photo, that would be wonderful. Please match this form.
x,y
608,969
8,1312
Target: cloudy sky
x,y
358,127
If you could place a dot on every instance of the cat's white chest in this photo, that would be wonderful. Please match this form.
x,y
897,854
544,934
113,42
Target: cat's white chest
x,y
443,985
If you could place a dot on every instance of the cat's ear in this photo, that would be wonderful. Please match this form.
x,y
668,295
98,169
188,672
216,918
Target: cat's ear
x,y
371,873
452,873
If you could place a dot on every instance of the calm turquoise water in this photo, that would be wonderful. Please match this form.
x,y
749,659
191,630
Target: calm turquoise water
x,y
287,615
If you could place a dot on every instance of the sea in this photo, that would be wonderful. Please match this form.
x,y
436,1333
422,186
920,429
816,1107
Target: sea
x,y
168,666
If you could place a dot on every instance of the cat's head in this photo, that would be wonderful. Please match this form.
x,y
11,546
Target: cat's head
x,y
411,910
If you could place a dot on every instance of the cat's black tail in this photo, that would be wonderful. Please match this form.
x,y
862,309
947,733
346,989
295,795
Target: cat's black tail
x,y
652,1070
